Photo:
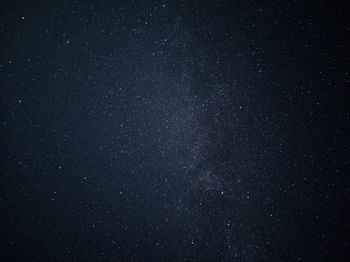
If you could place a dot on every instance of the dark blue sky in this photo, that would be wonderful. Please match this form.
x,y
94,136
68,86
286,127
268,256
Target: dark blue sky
x,y
174,131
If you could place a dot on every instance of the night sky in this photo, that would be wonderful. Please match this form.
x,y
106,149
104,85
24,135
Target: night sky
x,y
174,131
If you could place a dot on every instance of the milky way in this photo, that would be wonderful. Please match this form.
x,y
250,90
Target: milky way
x,y
174,131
